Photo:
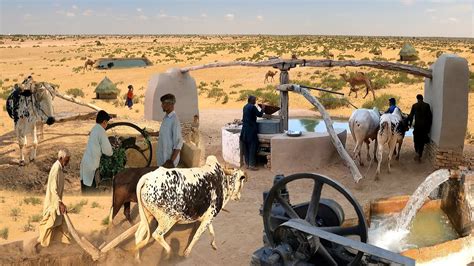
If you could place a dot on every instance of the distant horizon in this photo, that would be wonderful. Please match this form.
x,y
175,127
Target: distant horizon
x,y
234,34
381,18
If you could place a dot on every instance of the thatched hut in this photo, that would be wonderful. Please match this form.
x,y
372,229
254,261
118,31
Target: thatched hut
x,y
408,53
106,89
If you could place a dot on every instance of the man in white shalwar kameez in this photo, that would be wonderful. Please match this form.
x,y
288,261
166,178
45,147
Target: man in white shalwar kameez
x,y
52,225
170,140
97,145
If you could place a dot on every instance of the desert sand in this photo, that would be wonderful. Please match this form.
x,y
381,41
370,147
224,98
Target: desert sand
x,y
239,232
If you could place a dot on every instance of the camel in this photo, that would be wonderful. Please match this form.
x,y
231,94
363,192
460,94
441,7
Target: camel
x,y
269,74
90,63
359,79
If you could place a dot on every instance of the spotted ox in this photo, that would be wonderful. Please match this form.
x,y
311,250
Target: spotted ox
x,y
184,196
392,131
29,104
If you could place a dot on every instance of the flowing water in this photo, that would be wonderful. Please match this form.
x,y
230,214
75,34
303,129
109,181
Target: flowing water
x,y
392,233
418,198
429,227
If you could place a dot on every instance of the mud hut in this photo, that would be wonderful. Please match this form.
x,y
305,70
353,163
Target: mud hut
x,y
408,53
106,89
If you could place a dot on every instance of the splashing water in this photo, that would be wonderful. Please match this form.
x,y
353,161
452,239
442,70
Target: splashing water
x,y
418,198
391,233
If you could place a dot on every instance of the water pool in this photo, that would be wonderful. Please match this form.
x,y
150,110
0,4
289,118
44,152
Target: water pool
x,y
122,63
315,125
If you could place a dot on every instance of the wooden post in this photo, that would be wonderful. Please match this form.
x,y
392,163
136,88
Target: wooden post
x,y
284,100
332,133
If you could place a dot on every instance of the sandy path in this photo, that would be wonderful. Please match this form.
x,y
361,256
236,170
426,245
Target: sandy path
x,y
238,233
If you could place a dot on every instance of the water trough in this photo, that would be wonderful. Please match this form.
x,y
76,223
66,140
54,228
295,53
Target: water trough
x,y
442,226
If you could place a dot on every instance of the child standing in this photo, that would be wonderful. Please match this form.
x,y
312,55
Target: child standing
x,y
129,101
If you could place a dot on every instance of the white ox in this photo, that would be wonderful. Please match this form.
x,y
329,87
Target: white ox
x,y
33,104
392,131
184,196
364,124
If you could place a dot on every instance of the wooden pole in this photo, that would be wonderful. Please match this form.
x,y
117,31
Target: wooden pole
x,y
71,99
284,100
83,243
414,70
332,133
130,231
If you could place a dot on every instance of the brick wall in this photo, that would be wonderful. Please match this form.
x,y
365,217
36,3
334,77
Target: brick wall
x,y
444,158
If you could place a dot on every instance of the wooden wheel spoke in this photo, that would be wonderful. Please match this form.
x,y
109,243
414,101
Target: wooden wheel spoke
x,y
314,203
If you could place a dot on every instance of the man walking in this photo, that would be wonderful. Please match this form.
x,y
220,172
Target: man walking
x,y
248,135
421,111
170,140
52,224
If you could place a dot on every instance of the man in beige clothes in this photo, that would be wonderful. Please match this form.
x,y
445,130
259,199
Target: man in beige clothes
x,y
52,225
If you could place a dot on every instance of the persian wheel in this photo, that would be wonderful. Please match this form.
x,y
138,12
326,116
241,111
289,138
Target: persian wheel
x,y
134,140
323,249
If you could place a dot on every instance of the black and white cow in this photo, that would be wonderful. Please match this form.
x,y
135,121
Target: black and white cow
x,y
184,196
28,104
391,131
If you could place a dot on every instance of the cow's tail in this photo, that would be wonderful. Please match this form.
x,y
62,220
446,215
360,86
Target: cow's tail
x,y
352,123
143,232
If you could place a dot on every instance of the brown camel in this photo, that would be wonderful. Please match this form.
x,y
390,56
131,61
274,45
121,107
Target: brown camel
x,y
269,74
90,63
359,79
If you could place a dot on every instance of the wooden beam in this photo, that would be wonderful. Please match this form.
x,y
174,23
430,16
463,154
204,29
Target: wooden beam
x,y
332,133
410,69
83,243
74,100
115,242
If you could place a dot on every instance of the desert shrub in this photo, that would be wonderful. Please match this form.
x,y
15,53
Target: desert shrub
x,y
4,93
105,221
267,95
226,99
75,92
401,77
93,83
376,50
15,213
32,200
36,218
381,102
77,69
329,101
28,227
4,233
336,84
95,205
76,208
236,85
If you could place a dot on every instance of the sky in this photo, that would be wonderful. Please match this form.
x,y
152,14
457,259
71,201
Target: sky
x,y
434,18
